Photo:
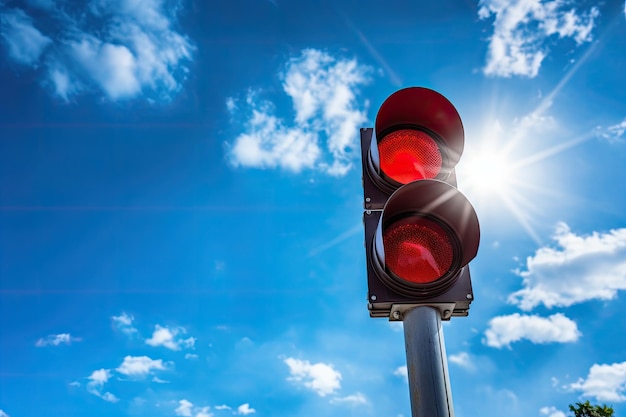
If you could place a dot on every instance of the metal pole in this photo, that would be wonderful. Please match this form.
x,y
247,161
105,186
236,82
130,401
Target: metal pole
x,y
427,365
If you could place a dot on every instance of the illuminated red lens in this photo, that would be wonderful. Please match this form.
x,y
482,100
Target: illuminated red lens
x,y
408,155
417,250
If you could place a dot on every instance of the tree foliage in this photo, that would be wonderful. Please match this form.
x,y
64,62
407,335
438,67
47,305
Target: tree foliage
x,y
587,410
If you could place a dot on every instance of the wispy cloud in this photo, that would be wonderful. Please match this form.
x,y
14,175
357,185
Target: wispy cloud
x,y
167,337
204,412
25,43
579,269
463,360
56,340
504,330
336,240
324,129
521,28
124,323
393,76
552,412
187,409
350,400
319,377
614,133
95,386
121,48
604,382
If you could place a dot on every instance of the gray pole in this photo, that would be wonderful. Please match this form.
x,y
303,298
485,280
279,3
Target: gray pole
x,y
427,365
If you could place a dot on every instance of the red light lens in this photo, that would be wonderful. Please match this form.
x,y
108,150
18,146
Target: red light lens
x,y
417,250
408,155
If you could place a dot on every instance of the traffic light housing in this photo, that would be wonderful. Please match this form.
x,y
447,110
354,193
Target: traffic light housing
x,y
420,231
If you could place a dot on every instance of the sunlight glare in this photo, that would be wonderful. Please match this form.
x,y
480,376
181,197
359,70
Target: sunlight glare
x,y
490,172
495,174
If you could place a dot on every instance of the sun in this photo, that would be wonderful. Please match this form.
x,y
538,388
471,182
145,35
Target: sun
x,y
489,172
499,179
490,168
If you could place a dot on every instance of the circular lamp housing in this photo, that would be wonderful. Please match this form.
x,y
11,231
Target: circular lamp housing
x,y
428,232
418,135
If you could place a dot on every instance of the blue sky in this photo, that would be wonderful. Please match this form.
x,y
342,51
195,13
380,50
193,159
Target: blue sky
x,y
180,204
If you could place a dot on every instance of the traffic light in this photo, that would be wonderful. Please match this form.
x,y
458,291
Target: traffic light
x,y
420,231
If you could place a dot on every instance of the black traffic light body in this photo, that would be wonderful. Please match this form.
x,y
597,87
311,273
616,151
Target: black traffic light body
x,y
420,231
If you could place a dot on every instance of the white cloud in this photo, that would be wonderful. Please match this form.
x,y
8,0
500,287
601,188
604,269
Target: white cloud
x,y
99,378
107,396
95,386
191,356
223,407
25,43
269,143
128,48
521,28
162,336
614,133
203,412
534,121
231,104
319,377
350,400
552,412
140,366
111,66
187,409
579,269
618,130
184,408
604,382
402,371
3,414
244,409
166,337
504,330
124,323
463,360
61,82
323,134
56,340
188,343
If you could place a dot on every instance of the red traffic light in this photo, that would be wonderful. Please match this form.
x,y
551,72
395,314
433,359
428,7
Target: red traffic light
x,y
417,250
418,135
408,155
420,231
423,108
428,232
